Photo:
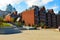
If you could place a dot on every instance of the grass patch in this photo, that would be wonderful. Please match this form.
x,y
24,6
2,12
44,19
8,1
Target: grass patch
x,y
3,25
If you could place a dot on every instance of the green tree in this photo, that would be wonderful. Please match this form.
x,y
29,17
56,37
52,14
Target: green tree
x,y
1,21
1,18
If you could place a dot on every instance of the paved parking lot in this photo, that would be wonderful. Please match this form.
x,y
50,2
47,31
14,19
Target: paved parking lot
x,y
45,34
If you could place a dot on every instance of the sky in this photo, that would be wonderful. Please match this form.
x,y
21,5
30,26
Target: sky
x,y
22,5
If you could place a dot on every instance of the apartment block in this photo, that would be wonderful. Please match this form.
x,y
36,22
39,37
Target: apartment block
x,y
42,15
54,20
48,19
35,15
51,18
58,19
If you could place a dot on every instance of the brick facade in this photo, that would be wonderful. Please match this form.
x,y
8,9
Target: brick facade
x,y
28,17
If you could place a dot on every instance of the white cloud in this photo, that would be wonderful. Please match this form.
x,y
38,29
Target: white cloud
x,y
28,2
56,12
46,1
5,2
37,2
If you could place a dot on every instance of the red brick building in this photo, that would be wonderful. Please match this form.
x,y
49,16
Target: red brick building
x,y
34,15
28,17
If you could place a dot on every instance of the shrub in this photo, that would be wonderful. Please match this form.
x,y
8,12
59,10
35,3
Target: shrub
x,y
19,24
34,26
12,19
42,24
5,25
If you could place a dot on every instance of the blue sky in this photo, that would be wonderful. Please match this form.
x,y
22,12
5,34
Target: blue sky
x,y
22,5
